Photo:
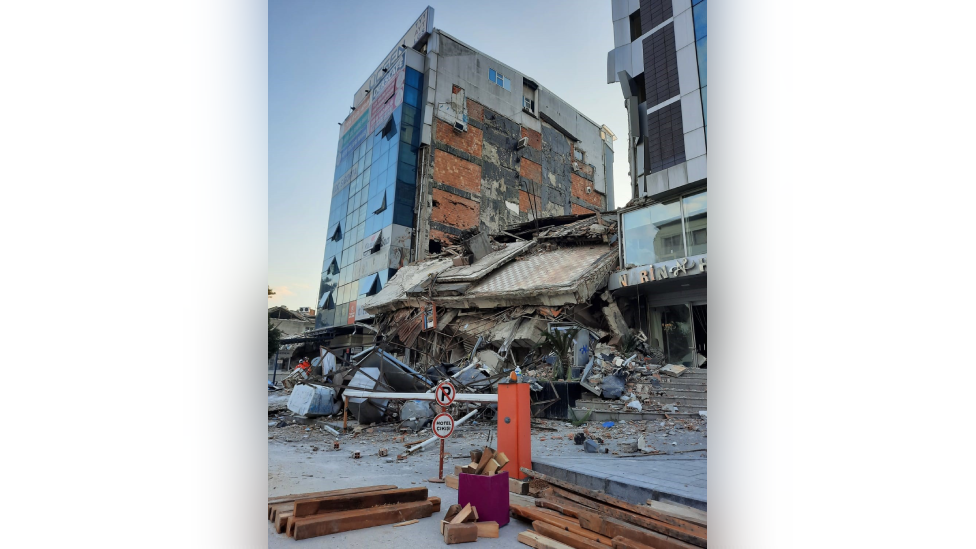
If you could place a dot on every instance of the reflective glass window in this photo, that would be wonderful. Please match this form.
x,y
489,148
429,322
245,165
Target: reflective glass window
x,y
653,234
696,222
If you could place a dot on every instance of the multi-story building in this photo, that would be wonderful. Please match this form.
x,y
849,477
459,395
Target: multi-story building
x,y
443,138
660,62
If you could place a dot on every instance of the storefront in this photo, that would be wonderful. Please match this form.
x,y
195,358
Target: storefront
x,y
664,289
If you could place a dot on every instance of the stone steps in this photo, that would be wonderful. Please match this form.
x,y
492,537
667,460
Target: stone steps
x,y
600,415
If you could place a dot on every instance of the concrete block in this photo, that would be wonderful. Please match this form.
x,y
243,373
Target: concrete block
x,y
677,176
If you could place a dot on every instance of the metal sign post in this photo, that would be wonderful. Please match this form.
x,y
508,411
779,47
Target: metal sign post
x,y
443,427
443,424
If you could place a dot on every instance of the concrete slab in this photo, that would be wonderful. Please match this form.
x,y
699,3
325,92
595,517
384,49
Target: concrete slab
x,y
677,479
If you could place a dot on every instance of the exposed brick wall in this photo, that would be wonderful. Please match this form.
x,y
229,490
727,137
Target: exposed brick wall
x,y
451,170
442,237
475,111
469,141
535,138
454,210
526,201
581,210
579,191
530,170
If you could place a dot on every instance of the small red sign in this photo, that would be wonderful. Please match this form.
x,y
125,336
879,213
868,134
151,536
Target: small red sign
x,y
444,393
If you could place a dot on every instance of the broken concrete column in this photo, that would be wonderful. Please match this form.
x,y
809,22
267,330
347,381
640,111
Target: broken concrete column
x,y
615,318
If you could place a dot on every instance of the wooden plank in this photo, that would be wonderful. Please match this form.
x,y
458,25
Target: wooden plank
x,y
690,514
451,481
644,522
560,521
436,503
344,521
327,493
538,541
612,528
573,540
643,510
487,529
486,456
279,508
501,458
460,533
621,542
452,512
309,507
463,516
282,521
406,523
492,467
517,486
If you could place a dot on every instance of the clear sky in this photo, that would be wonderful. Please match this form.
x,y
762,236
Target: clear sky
x,y
320,52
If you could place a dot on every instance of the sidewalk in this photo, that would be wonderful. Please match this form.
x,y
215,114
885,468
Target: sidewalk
x,y
679,479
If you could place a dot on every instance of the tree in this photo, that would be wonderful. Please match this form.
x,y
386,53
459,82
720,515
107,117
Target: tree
x,y
561,343
274,339
270,292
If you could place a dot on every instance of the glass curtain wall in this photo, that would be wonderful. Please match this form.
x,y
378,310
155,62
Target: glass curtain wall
x,y
380,194
699,14
667,230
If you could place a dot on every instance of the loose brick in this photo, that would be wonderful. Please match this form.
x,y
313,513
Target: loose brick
x,y
530,170
454,210
469,141
579,190
442,237
461,174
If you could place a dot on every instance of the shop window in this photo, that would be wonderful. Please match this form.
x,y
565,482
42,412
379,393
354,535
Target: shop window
x,y
653,234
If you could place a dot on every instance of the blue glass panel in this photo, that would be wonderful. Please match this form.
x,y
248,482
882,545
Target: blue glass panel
x,y
403,215
388,217
413,78
701,21
702,47
491,74
411,96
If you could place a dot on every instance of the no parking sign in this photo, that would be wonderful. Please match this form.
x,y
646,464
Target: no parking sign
x,y
444,394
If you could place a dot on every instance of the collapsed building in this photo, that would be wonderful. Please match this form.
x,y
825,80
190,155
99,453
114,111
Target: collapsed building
x,y
531,298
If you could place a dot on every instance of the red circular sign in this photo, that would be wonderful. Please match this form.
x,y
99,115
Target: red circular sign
x,y
444,393
443,425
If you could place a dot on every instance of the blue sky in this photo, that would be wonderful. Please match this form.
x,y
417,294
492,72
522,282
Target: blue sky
x,y
320,52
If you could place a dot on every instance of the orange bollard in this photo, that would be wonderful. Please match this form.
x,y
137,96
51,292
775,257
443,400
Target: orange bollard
x,y
514,427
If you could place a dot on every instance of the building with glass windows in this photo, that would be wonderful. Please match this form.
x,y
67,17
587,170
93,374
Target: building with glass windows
x,y
441,139
659,60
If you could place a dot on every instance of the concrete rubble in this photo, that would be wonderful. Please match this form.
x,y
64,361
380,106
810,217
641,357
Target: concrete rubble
x,y
532,303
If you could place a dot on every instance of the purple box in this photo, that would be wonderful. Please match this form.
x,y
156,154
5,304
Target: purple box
x,y
489,495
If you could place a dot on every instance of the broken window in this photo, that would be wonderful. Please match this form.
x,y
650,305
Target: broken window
x,y
578,154
333,267
635,26
382,206
327,302
337,234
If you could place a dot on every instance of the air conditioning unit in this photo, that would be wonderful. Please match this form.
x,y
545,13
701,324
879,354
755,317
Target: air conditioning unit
x,y
589,190
459,126
575,165
522,143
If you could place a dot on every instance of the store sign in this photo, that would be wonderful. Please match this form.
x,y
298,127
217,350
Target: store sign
x,y
386,98
686,266
351,317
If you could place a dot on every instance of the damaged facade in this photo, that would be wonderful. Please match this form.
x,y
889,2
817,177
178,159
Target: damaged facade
x,y
660,62
445,141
